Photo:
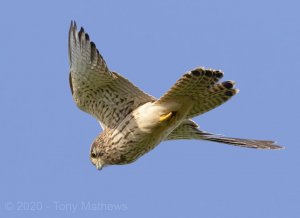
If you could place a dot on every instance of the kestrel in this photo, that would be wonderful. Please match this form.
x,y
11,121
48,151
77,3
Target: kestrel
x,y
134,122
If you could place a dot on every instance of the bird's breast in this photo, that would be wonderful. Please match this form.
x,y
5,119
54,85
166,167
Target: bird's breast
x,y
142,130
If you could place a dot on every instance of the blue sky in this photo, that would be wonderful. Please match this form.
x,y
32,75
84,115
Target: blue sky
x,y
45,138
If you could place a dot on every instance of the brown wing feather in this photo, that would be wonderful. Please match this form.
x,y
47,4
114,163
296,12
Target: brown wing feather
x,y
96,90
201,88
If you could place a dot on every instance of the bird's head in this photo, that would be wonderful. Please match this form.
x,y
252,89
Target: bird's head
x,y
105,152
97,155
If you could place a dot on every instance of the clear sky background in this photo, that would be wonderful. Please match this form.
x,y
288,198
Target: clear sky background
x,y
45,138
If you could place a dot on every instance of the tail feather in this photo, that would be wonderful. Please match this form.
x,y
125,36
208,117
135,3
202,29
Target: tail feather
x,y
189,130
213,97
248,143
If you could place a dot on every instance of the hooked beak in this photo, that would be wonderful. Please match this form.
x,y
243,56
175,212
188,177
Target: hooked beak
x,y
99,165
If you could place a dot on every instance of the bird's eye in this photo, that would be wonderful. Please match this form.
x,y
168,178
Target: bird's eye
x,y
93,155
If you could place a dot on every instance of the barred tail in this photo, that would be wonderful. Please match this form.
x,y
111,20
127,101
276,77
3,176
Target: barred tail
x,y
248,143
189,130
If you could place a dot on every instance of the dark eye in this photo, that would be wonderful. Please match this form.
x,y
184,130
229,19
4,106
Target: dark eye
x,y
93,155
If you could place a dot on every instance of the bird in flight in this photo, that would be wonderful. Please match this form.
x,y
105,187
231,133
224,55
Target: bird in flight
x,y
134,122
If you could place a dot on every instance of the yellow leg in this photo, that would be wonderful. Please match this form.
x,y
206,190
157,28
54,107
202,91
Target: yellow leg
x,y
165,117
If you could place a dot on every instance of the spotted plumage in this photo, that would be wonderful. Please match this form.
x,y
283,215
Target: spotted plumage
x,y
134,122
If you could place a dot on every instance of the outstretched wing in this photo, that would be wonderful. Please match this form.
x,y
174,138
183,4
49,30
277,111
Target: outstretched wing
x,y
189,130
96,90
201,87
